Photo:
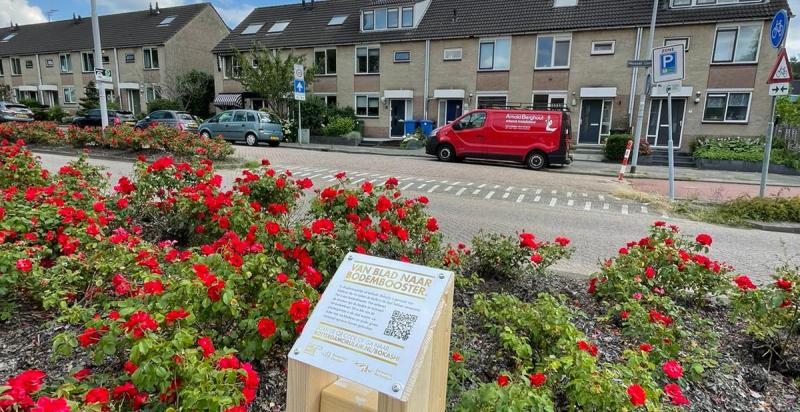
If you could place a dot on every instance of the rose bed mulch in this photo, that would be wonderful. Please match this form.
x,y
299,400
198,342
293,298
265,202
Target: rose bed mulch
x,y
740,383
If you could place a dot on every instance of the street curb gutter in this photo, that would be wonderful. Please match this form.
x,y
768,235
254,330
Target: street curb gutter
x,y
776,227
337,150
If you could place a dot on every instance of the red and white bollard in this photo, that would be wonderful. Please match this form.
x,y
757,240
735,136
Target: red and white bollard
x,y
625,161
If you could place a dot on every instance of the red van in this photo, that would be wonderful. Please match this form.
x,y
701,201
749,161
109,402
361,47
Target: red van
x,y
537,138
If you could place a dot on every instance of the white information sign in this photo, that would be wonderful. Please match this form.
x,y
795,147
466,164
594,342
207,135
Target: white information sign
x,y
668,63
779,89
373,322
102,75
299,72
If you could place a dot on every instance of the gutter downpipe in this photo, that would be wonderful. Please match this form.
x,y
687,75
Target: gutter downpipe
x,y
39,92
116,70
427,76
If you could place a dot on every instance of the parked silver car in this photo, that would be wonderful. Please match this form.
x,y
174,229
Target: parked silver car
x,y
15,112
249,126
173,118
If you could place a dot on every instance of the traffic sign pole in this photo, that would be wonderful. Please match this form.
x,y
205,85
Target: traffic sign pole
x,y
781,72
98,63
670,145
767,151
643,95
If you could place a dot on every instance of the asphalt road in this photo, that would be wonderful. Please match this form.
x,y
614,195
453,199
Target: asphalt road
x,y
470,197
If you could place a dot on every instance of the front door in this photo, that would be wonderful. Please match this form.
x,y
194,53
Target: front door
x,y
454,109
134,101
658,125
591,118
398,118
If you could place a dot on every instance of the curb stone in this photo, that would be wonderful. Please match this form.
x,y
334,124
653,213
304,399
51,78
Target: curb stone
x,y
776,227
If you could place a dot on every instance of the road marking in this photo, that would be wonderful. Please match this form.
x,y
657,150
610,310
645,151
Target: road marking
x,y
537,199
489,195
602,198
587,206
624,209
422,186
554,192
313,176
433,188
482,186
330,178
406,186
584,195
510,188
303,174
664,216
538,191
455,183
505,195
496,187
470,184
644,210
569,194
460,191
571,202
525,189
605,206
447,189
357,181
443,182
476,192
519,199
553,202
429,181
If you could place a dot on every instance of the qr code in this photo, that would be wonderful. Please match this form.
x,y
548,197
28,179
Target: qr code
x,y
400,325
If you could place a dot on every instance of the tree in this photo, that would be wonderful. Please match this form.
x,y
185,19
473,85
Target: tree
x,y
787,112
271,77
194,91
90,99
5,92
795,62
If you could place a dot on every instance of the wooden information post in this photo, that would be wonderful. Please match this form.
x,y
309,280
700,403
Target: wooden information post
x,y
378,341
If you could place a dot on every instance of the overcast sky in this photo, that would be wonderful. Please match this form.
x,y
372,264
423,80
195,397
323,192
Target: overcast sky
x,y
233,11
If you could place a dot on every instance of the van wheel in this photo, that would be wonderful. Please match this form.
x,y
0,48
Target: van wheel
x,y
250,139
536,161
446,153
206,134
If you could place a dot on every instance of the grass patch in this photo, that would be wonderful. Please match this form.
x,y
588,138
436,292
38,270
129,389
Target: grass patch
x,y
739,211
655,201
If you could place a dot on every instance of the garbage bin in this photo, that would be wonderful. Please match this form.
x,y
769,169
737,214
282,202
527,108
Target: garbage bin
x,y
427,127
410,126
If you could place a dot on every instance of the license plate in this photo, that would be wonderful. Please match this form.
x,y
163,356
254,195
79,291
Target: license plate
x,y
273,138
192,125
22,116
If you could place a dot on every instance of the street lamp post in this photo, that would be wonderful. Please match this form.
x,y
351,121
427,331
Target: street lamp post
x,y
643,94
98,64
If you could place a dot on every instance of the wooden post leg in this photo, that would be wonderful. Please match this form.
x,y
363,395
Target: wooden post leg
x,y
305,387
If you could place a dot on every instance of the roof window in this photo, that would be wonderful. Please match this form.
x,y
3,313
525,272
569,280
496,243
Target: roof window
x,y
279,27
691,3
9,36
166,22
337,20
253,28
564,3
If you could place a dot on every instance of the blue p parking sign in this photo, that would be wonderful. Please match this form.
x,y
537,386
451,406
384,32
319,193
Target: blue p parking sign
x,y
669,63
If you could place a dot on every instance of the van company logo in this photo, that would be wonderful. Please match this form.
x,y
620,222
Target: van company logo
x,y
523,117
548,125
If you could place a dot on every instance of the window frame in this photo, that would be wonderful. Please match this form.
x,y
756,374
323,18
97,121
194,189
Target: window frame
x,y
326,97
555,39
685,40
551,95
167,21
364,14
369,97
17,66
235,63
29,64
479,96
403,19
326,52
84,60
7,38
252,28
493,41
710,3
397,18
338,20
130,58
396,60
727,93
148,53
74,99
368,48
156,90
2,70
62,58
460,54
279,26
737,27
595,52
49,63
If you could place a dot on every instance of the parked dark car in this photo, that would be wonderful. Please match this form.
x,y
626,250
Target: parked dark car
x,y
249,126
171,118
92,118
15,112
127,117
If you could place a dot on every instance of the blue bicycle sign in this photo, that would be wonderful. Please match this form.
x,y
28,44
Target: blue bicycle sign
x,y
778,28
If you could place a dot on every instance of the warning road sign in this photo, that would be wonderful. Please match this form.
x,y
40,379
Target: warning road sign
x,y
782,70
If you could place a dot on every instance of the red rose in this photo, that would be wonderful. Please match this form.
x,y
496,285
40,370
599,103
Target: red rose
x,y
636,395
659,223
154,287
266,327
24,265
174,315
536,258
432,224
383,204
784,284
672,369
351,201
704,239
502,380
562,241
650,272
282,278
28,381
130,367
367,187
391,182
272,228
624,314
537,379
589,348
675,395
744,282
299,309
206,345
89,337
82,374
457,357
646,347
423,200
45,404
97,395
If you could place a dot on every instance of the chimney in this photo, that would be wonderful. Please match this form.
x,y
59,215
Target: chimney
x,y
151,8
312,4
158,11
455,15
304,4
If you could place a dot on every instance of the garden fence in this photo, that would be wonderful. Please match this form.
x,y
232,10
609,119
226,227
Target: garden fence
x,y
789,134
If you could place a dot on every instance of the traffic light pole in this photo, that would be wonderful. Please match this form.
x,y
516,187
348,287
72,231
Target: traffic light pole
x,y
98,64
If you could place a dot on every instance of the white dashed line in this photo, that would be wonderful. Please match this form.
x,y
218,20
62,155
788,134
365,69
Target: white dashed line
x,y
510,188
644,210
447,189
519,199
455,183
602,198
587,206
313,176
571,202
460,191
553,202
554,192
470,184
406,186
525,189
422,186
537,199
482,186
476,192
584,194
489,195
538,191
433,188
605,206
357,181
624,209
569,194
505,195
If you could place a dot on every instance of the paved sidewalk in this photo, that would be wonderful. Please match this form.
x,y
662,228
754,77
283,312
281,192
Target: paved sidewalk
x,y
711,191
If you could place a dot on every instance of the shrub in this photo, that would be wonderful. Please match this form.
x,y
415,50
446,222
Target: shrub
x,y
749,149
761,209
506,257
314,114
339,126
614,148
163,104
56,114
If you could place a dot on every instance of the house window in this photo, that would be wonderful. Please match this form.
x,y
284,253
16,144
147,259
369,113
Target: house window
x,y
279,27
16,66
676,41
495,54
392,19
325,60
9,37
737,44
65,61
87,62
565,3
552,52
253,28
167,21
453,54
330,99
367,106
337,20
151,58
368,21
485,102
380,19
152,92
408,16
69,95
368,60
732,107
28,64
543,100
232,68
106,60
402,56
603,47
49,63
130,58
2,73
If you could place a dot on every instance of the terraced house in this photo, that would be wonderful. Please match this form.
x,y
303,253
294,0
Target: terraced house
x,y
146,50
403,59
